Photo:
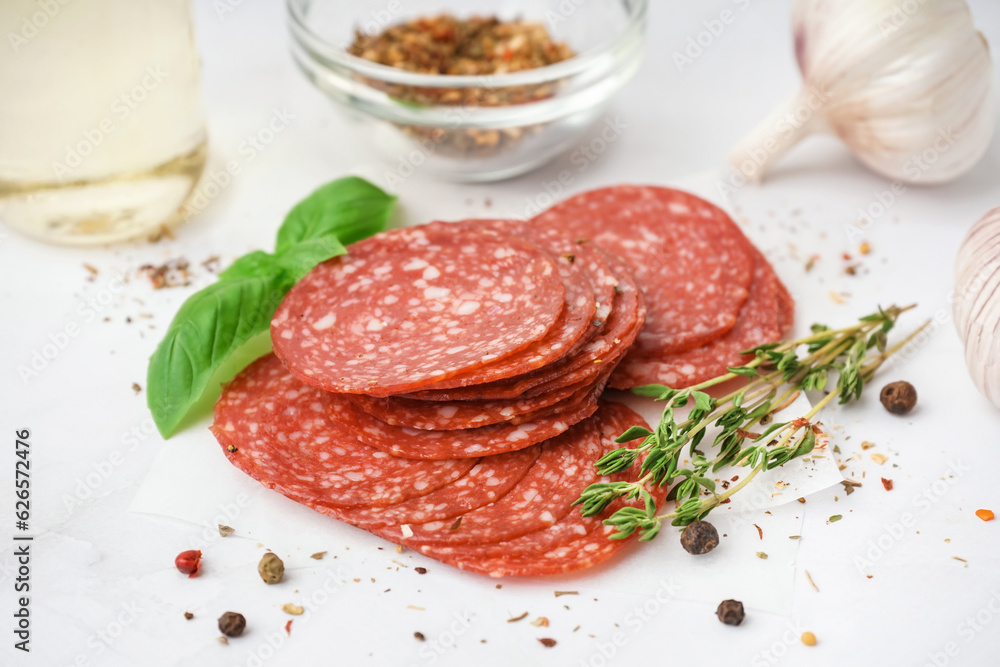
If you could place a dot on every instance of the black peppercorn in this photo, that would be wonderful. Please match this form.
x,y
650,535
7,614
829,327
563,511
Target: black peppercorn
x,y
898,397
699,537
730,612
232,624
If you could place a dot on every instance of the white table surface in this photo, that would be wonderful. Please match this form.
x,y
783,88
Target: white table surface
x,y
104,591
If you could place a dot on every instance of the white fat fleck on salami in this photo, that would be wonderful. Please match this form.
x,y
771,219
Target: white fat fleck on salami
x,y
691,261
448,324
281,434
572,542
325,322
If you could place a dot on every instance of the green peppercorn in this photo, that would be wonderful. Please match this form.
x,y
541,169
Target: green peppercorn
x,y
271,568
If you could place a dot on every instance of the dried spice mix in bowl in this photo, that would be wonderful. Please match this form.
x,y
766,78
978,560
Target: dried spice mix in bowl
x,y
461,91
478,46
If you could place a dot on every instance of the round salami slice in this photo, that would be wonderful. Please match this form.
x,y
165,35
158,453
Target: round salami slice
x,y
278,431
604,351
542,497
758,323
575,542
459,443
416,305
691,261
489,480
576,320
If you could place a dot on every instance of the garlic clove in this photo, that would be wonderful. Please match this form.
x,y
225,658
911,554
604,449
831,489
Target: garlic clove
x,y
909,93
976,303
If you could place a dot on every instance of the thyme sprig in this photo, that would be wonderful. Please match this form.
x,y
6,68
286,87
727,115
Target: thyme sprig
x,y
775,376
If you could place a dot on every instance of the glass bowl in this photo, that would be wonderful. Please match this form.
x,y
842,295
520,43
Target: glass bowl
x,y
533,116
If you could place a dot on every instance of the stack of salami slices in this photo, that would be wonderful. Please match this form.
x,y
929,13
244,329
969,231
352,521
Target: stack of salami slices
x,y
440,385
710,293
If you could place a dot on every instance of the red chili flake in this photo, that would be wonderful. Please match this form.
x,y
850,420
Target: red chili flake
x,y
507,54
760,532
735,478
747,434
887,483
288,628
801,421
188,562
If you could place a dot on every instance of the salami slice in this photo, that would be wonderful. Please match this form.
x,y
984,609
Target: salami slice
x,y
691,261
576,320
463,443
758,323
574,542
542,497
453,415
416,305
278,431
489,480
605,350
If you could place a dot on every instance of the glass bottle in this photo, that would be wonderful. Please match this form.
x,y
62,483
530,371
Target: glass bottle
x,y
102,136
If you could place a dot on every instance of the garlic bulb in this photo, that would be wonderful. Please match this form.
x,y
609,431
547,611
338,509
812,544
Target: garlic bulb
x,y
906,85
976,303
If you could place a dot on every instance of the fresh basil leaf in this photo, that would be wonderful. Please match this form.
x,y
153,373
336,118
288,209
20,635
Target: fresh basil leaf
x,y
209,327
301,258
215,322
349,209
252,264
